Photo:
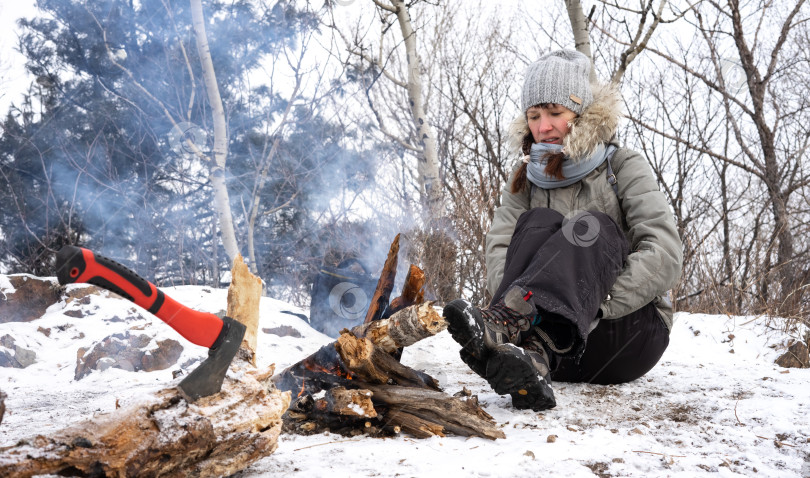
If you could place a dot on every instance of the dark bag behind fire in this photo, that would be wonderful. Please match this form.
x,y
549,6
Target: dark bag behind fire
x,y
340,296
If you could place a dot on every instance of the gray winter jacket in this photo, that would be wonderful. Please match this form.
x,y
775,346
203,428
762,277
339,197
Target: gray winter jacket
x,y
655,261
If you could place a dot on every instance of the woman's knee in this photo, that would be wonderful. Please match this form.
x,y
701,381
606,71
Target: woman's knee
x,y
540,216
596,223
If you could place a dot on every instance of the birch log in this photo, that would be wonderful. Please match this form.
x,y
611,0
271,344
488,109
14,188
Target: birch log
x,y
404,328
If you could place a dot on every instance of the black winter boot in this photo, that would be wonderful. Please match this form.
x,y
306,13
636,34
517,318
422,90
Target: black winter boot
x,y
479,366
477,330
522,373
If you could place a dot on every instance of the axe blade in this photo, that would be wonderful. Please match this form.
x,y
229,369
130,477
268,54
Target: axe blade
x,y
207,378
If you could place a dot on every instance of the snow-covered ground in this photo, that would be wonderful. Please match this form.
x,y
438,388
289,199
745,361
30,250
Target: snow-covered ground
x,y
715,405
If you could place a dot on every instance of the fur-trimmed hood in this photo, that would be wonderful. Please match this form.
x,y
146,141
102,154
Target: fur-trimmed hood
x,y
597,124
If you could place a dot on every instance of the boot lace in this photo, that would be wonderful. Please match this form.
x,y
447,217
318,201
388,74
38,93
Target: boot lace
x,y
502,316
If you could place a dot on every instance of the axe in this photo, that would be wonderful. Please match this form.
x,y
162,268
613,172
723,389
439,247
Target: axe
x,y
222,337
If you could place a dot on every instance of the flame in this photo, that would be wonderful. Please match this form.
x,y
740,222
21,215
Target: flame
x,y
331,369
303,383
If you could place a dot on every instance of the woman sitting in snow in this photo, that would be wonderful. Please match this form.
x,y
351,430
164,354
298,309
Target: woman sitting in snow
x,y
580,253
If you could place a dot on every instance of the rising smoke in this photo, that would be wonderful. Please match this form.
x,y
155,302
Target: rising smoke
x,y
95,152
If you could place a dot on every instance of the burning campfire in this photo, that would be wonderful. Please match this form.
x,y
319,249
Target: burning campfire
x,y
322,370
357,385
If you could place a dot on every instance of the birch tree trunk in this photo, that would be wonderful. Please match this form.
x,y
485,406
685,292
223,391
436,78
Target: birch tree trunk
x,y
579,26
637,43
438,245
428,161
220,152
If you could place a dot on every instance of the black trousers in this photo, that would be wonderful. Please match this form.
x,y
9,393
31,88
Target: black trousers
x,y
570,265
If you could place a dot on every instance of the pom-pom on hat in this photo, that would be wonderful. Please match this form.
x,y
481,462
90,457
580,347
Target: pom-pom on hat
x,y
561,77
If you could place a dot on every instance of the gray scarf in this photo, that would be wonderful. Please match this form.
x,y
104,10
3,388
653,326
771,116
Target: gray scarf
x,y
573,171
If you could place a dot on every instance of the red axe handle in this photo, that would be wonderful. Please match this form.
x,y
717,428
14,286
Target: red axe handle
x,y
77,264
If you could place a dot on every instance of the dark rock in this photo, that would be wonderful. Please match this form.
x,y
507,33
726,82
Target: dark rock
x,y
797,356
7,341
82,294
140,341
133,317
126,351
15,356
7,360
32,296
283,331
2,405
76,313
163,357
24,357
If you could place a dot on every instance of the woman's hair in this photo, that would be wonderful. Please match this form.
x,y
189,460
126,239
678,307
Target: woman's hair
x,y
553,166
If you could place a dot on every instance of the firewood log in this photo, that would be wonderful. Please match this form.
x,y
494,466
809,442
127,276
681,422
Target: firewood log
x,y
400,420
404,399
456,415
371,364
412,291
339,410
379,301
404,328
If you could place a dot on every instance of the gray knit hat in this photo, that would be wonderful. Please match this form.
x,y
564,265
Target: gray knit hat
x,y
560,77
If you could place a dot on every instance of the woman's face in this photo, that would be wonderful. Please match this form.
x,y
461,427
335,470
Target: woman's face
x,y
549,122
